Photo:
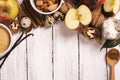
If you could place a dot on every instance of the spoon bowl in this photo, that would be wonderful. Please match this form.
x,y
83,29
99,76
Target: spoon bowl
x,y
112,58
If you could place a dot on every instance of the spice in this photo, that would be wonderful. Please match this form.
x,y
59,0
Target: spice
x,y
113,54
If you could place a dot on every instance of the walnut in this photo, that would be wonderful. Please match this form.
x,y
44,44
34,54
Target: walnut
x,y
100,20
58,16
49,20
97,17
14,26
90,32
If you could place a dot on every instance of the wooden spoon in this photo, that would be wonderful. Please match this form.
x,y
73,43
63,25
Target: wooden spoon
x,y
112,59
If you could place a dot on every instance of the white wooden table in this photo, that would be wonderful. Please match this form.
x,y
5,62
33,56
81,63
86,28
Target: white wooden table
x,y
57,53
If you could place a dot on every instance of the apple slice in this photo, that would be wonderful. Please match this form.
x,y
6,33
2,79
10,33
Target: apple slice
x,y
71,19
85,15
111,6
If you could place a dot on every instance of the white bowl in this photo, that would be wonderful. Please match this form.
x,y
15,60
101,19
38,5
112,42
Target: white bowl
x,y
10,34
34,7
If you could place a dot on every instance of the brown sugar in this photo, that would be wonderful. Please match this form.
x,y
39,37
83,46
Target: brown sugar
x,y
4,40
113,54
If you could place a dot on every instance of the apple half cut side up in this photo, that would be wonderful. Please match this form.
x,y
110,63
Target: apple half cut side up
x,y
111,6
77,17
108,5
85,15
71,19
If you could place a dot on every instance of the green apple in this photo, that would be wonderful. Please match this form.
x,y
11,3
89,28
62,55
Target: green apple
x,y
8,10
77,17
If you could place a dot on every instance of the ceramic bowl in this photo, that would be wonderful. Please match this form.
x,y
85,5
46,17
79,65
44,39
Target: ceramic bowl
x,y
10,36
32,2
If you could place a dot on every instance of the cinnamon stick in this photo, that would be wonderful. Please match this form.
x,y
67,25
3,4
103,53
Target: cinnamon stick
x,y
27,13
22,14
33,13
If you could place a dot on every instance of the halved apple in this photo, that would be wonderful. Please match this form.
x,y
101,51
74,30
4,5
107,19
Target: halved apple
x,y
111,6
85,16
71,19
77,17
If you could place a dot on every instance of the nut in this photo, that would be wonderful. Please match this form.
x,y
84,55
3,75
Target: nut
x,y
54,1
68,5
97,17
25,22
46,5
64,8
52,7
50,3
90,32
14,27
39,2
49,20
45,1
59,16
100,20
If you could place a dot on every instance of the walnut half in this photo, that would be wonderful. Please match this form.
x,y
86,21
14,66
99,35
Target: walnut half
x,y
90,32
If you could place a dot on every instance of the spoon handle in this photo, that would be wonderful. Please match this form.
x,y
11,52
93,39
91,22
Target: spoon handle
x,y
112,73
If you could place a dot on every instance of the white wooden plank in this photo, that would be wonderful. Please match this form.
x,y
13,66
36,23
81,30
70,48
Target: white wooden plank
x,y
92,60
65,53
15,66
39,50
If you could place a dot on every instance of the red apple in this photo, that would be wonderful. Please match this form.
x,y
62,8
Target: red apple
x,y
8,10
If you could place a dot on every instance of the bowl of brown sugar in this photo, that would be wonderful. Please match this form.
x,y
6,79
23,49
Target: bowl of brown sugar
x,y
5,39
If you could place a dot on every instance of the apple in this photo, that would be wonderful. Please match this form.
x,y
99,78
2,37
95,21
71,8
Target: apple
x,y
85,15
71,19
111,6
8,10
78,17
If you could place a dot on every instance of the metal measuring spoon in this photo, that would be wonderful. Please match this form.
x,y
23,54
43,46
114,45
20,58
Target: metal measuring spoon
x,y
112,59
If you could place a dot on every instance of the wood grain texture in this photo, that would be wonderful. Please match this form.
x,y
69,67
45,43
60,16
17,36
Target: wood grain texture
x,y
65,53
15,66
39,49
92,60
57,53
